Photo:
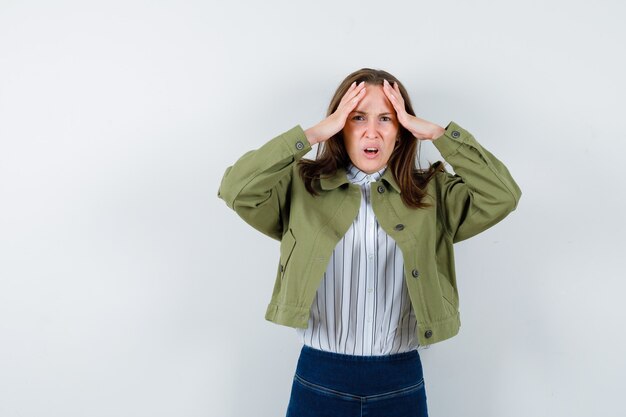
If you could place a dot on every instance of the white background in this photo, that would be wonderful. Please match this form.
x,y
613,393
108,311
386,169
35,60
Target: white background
x,y
127,288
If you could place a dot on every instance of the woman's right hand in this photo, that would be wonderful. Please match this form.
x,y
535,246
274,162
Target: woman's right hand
x,y
325,129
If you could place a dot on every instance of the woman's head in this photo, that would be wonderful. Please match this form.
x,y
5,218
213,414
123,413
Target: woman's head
x,y
373,123
370,133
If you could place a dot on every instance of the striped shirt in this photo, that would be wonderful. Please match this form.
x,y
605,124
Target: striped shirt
x,y
362,305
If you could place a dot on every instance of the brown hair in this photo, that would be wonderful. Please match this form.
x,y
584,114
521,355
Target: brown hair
x,y
332,154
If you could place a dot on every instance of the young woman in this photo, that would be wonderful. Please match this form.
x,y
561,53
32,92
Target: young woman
x,y
366,268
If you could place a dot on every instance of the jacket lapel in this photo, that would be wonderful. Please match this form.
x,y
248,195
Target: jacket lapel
x,y
339,178
389,179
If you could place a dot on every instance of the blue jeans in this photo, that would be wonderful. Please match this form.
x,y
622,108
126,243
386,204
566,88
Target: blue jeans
x,y
328,384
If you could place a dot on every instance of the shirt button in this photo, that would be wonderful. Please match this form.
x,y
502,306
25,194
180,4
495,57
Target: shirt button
x,y
299,145
455,134
399,226
415,273
370,289
281,268
428,334
369,319
381,189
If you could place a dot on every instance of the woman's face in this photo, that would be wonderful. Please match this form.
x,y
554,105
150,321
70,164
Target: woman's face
x,y
370,130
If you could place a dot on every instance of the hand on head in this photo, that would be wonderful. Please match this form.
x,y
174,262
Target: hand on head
x,y
420,128
325,129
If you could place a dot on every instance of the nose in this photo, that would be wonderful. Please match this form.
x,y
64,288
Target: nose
x,y
371,128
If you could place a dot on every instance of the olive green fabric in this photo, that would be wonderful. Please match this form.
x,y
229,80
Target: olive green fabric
x,y
265,189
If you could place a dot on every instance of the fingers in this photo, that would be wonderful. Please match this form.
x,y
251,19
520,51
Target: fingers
x,y
360,94
350,92
336,121
396,87
388,90
354,94
394,95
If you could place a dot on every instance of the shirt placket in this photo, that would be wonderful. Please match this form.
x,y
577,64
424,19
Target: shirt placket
x,y
370,247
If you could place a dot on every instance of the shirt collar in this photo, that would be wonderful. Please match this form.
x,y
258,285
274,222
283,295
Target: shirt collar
x,y
340,177
356,176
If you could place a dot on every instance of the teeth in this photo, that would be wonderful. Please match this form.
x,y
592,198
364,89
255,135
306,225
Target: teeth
x,y
370,149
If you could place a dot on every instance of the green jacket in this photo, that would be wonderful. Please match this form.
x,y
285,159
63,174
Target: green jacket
x,y
266,190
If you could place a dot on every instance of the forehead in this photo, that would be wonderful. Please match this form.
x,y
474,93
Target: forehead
x,y
375,100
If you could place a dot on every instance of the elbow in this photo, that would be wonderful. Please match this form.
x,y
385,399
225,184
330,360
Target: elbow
x,y
516,194
227,195
508,197
509,204
225,192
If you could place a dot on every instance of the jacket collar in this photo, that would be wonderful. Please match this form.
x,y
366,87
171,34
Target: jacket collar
x,y
340,177
335,180
389,179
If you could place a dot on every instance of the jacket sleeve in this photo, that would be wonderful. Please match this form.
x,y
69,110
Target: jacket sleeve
x,y
480,193
257,185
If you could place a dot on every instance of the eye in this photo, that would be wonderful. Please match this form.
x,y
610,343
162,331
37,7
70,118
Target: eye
x,y
386,118
357,117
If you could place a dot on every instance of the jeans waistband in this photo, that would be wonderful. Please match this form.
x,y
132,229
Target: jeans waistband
x,y
308,350
360,375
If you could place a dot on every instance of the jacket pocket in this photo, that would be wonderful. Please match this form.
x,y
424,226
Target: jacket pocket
x,y
449,294
287,245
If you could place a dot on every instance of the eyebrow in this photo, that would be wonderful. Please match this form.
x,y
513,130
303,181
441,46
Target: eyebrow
x,y
362,112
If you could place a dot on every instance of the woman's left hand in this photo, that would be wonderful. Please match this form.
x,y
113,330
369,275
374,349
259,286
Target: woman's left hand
x,y
420,128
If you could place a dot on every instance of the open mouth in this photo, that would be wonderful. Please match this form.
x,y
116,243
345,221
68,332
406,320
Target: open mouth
x,y
370,152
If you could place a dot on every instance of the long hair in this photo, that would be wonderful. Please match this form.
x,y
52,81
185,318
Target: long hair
x,y
332,154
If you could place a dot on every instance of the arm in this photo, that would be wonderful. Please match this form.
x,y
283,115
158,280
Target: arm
x,y
481,193
257,185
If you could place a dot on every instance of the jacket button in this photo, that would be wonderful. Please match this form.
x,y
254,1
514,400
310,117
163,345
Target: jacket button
x,y
299,145
415,273
455,134
281,268
399,226
381,189
428,334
